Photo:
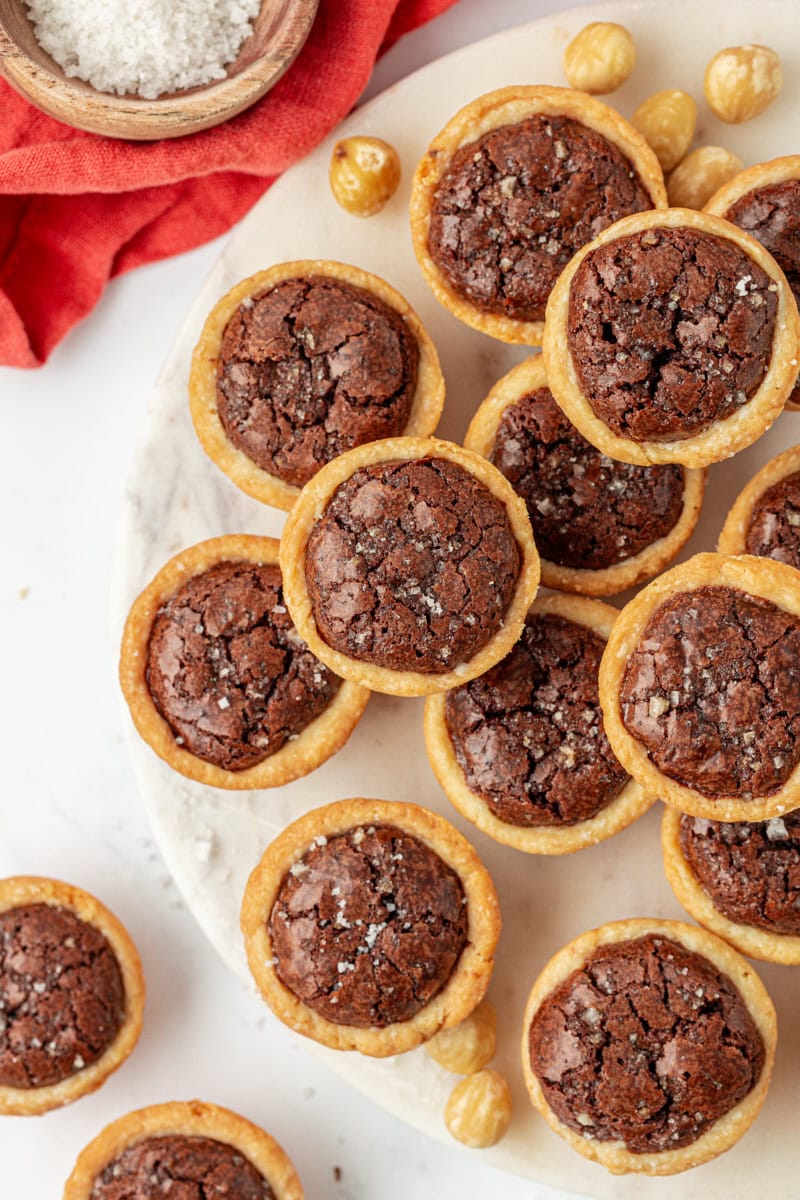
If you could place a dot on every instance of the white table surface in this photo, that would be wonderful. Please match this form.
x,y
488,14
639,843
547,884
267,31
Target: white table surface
x,y
69,805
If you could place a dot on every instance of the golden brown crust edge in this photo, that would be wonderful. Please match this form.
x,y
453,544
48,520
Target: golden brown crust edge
x,y
631,802
733,538
763,577
528,376
507,106
310,507
313,746
468,983
777,170
747,939
426,406
194,1119
31,889
722,439
615,1156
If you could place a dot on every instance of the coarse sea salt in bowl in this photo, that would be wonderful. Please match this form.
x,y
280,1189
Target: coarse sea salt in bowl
x,y
194,50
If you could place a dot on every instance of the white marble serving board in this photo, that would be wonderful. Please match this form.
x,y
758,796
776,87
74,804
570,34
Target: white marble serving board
x,y
211,839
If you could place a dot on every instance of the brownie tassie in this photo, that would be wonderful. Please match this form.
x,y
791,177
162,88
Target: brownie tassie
x,y
183,1149
764,200
218,681
700,689
515,183
765,517
370,925
521,752
304,361
409,565
648,1045
740,879
600,525
71,994
672,338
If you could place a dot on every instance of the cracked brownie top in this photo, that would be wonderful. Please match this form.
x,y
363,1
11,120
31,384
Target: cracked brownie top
x,y
587,510
529,734
514,206
227,670
647,1043
311,368
412,566
670,330
368,926
62,998
712,692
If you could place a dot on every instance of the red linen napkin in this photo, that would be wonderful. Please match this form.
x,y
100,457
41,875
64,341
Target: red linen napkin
x,y
77,209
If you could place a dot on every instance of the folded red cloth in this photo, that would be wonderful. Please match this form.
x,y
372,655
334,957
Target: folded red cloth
x,y
76,209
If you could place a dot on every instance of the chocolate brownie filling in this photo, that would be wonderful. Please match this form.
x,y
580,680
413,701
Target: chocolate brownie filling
x,y
587,511
647,1043
774,530
180,1166
751,870
368,926
670,330
62,999
712,692
412,566
228,672
310,369
771,215
514,206
529,735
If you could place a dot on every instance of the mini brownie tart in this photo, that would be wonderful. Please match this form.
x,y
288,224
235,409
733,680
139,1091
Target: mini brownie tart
x,y
764,200
71,994
409,565
218,681
183,1149
514,184
600,525
700,687
741,879
672,337
765,518
521,751
648,1046
370,926
302,362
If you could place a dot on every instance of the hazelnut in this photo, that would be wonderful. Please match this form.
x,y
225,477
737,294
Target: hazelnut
x,y
469,1046
703,172
364,174
478,1111
741,81
666,120
600,58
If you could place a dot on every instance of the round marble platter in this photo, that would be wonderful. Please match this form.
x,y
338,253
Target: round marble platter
x,y
211,839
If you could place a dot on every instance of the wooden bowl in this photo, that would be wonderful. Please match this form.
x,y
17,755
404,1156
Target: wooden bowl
x,y
278,35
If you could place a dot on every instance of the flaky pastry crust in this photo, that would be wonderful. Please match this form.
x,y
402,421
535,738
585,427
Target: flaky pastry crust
x,y
781,948
631,802
529,376
192,1118
509,106
312,747
469,980
615,1156
427,404
723,438
762,577
22,890
312,504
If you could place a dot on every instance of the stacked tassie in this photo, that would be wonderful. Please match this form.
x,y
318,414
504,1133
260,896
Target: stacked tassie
x,y
410,566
